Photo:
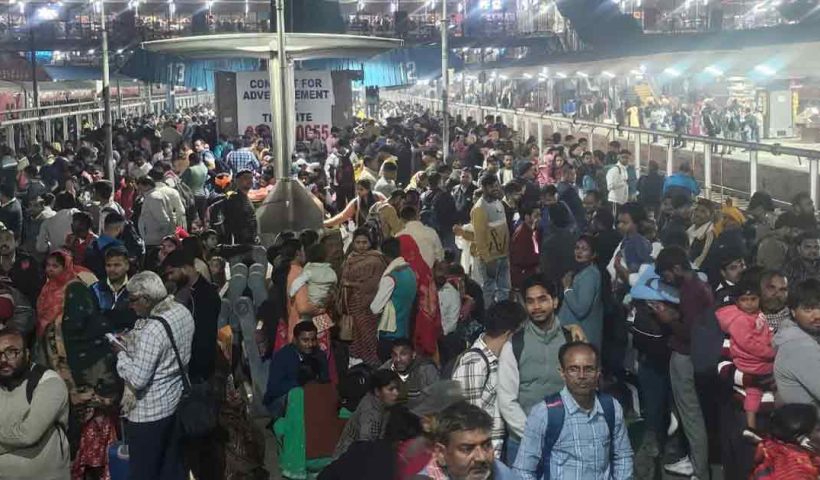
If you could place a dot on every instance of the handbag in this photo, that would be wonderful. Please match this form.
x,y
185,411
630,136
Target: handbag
x,y
346,320
197,410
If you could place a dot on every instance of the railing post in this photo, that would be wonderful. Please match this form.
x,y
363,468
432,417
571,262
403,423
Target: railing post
x,y
526,128
47,131
813,167
78,130
65,129
10,137
32,132
636,155
753,171
670,157
707,170
540,124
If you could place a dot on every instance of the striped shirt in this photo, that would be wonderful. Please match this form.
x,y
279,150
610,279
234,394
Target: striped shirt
x,y
150,366
480,386
581,451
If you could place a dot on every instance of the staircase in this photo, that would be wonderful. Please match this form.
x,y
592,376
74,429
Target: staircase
x,y
644,92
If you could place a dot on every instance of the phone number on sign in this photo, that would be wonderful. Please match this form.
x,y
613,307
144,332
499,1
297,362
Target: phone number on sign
x,y
321,131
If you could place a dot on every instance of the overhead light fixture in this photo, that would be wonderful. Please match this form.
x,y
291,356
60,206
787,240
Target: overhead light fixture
x,y
91,52
608,74
542,79
561,75
46,13
119,51
765,70
527,75
582,74
713,70
503,77
672,71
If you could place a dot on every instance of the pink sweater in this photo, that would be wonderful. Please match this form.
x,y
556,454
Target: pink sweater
x,y
751,348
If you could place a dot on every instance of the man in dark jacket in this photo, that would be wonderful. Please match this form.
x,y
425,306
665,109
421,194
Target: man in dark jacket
x,y
416,372
23,270
240,218
294,365
11,213
202,299
438,210
463,196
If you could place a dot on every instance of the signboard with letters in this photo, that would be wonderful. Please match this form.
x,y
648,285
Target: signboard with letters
x,y
313,94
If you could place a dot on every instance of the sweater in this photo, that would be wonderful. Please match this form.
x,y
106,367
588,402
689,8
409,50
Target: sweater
x,y
491,235
31,445
795,365
524,382
751,346
583,304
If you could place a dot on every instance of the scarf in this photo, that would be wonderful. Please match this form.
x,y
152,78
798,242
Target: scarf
x,y
51,301
387,323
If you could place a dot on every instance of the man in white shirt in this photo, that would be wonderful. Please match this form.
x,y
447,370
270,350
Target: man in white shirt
x,y
425,237
617,181
54,229
449,298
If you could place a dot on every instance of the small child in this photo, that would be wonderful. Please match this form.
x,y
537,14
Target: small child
x,y
319,277
751,340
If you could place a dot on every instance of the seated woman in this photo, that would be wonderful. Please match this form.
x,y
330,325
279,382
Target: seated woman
x,y
370,418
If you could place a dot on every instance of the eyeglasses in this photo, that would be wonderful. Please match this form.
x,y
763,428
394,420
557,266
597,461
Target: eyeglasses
x,y
575,371
10,354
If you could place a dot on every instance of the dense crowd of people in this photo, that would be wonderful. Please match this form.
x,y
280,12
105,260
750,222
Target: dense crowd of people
x,y
507,313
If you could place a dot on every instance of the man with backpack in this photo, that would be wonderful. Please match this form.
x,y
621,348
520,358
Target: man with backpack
x,y
596,444
477,368
527,366
33,415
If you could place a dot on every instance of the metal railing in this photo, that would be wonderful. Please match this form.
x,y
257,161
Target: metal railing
x,y
724,168
58,122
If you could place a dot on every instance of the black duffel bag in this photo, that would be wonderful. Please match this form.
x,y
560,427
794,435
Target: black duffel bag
x,y
197,412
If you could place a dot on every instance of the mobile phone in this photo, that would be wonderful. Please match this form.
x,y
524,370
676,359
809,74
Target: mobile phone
x,y
112,339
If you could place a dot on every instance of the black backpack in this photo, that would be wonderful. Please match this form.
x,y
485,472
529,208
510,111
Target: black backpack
x,y
648,336
131,239
34,376
354,385
427,215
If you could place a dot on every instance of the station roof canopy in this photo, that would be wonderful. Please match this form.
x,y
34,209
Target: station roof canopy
x,y
300,46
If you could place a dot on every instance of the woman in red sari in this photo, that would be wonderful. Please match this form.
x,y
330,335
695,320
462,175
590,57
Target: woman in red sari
x,y
361,274
427,323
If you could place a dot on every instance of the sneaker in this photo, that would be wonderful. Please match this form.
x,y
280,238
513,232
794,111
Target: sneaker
x,y
673,425
681,467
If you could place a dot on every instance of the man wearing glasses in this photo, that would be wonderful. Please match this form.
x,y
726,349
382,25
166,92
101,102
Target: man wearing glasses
x,y
33,415
577,433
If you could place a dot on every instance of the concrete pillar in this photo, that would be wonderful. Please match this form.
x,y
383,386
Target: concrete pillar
x,y
670,157
65,129
540,125
79,126
636,155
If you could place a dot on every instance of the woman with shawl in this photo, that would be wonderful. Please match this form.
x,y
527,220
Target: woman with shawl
x,y
358,208
287,269
72,332
427,323
361,273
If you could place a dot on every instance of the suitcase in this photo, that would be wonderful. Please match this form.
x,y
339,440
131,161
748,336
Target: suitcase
x,y
118,456
118,461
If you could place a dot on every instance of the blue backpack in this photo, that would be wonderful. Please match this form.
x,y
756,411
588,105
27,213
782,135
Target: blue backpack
x,y
555,423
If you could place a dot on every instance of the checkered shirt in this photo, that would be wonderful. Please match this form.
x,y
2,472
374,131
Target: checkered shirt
x,y
150,367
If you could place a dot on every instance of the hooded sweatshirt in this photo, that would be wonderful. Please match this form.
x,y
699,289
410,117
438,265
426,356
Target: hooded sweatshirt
x,y
795,366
